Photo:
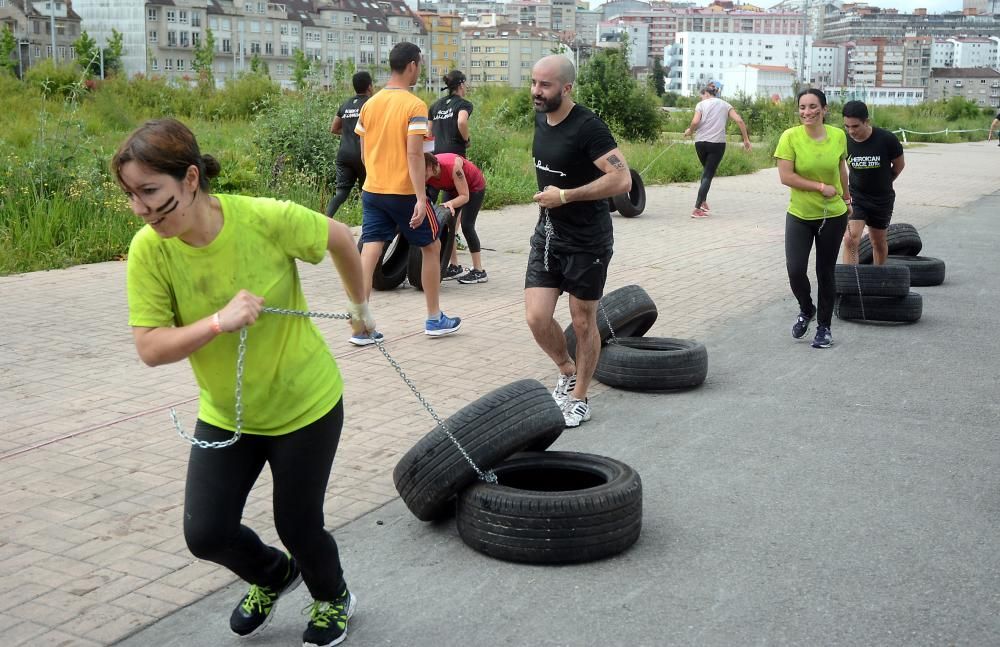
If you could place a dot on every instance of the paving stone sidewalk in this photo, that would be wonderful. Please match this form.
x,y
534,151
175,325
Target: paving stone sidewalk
x,y
90,522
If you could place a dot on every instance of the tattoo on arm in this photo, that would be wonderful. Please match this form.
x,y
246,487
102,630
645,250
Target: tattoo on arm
x,y
615,162
458,174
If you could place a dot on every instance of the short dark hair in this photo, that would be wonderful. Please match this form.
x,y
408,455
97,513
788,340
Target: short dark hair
x,y
815,92
402,55
856,110
362,81
165,146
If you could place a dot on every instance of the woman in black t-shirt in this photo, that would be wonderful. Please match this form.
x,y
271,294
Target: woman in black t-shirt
x,y
450,117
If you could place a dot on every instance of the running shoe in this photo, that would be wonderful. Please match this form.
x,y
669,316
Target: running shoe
x,y
256,609
443,325
453,271
473,276
801,325
575,411
328,621
699,213
823,339
706,208
366,340
564,385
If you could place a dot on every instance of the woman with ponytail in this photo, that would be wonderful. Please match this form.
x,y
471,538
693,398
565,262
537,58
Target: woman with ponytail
x,y
450,116
200,270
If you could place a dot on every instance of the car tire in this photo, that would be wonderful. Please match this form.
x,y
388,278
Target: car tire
x,y
390,271
924,270
416,260
629,309
652,364
633,203
901,238
872,280
900,309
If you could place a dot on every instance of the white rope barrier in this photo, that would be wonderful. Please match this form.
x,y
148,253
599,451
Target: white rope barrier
x,y
946,131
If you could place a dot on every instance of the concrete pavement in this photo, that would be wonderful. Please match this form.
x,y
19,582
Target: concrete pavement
x,y
91,500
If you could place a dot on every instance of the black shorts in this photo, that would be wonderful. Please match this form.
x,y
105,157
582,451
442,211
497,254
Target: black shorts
x,y
350,172
875,218
582,274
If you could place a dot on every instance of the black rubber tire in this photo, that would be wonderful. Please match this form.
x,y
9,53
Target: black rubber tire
x,y
652,363
901,309
875,280
494,427
631,311
553,508
611,205
901,238
415,260
633,203
924,270
391,269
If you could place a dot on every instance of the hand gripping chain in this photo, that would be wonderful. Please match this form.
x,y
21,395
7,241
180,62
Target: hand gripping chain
x,y
489,477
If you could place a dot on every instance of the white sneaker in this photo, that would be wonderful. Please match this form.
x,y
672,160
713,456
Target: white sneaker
x,y
575,411
564,385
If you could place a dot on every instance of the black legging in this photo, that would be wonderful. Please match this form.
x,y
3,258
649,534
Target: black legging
x,y
348,172
219,481
710,155
469,211
799,237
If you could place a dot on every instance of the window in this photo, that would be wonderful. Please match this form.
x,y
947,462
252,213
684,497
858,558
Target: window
x,y
171,39
269,49
168,65
254,27
295,30
332,36
284,29
171,17
477,63
227,46
348,20
269,28
185,36
155,64
284,49
182,17
195,38
180,65
226,25
213,24
152,36
151,15
255,47
195,19
281,69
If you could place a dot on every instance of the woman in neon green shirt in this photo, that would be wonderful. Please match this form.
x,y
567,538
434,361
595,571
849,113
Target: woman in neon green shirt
x,y
811,161
202,268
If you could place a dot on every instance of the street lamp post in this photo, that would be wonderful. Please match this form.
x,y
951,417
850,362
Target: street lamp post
x,y
52,27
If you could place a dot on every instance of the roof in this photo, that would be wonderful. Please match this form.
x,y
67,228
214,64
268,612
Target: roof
x,y
28,9
964,73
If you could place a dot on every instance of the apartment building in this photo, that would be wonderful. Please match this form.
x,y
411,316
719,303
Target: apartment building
x,y
875,62
827,64
444,35
128,18
504,54
31,23
346,32
697,57
917,52
978,84
636,35
876,95
860,21
770,81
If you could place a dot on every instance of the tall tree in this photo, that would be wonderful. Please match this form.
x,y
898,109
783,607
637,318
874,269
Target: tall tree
x,y
8,44
302,66
113,52
658,78
606,86
204,57
87,53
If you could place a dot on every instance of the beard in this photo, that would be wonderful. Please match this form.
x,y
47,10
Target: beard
x,y
547,105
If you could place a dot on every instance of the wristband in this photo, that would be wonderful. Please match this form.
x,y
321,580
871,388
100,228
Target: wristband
x,y
847,199
216,324
562,196
821,187
361,312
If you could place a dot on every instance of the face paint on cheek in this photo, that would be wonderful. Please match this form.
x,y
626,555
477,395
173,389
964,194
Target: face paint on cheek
x,y
167,206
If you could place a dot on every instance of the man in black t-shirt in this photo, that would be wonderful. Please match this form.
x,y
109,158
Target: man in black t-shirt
x,y
350,168
875,160
578,167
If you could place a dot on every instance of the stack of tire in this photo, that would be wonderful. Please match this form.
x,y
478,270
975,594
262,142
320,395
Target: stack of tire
x,y
631,361
545,507
399,261
882,292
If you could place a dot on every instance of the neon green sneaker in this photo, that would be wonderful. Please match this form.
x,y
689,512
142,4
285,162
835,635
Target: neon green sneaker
x,y
328,621
256,609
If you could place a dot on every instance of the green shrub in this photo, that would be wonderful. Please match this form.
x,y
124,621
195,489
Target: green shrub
x,y
52,79
605,85
241,98
293,137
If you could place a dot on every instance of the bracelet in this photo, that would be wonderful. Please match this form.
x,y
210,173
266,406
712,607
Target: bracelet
x,y
847,200
216,324
562,196
821,187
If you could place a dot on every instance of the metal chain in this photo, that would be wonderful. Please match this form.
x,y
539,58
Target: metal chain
x,y
613,340
489,476
549,231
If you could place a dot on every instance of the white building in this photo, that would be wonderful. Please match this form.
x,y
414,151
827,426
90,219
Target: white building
x,y
771,81
826,63
614,33
976,52
942,53
698,57
128,17
876,96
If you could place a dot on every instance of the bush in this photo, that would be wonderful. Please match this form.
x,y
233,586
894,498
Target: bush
x,y
241,98
54,79
295,143
605,85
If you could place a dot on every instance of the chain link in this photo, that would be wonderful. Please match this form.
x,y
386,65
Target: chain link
x,y
549,231
489,476
613,340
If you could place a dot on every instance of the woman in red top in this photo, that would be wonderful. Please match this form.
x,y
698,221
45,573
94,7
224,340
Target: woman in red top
x,y
465,188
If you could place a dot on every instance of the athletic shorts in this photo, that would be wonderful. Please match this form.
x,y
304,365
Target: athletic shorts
x,y
383,214
348,173
582,274
874,218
